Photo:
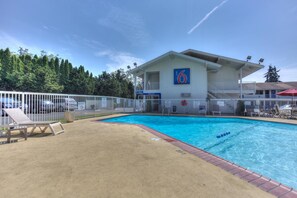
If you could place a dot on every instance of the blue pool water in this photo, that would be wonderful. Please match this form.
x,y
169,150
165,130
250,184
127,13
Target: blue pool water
x,y
267,148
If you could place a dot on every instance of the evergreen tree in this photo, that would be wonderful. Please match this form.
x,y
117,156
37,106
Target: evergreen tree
x,y
61,71
64,71
0,72
47,81
5,69
46,73
51,64
272,74
44,61
57,66
78,82
23,51
114,84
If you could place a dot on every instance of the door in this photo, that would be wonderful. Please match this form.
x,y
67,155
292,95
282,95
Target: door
x,y
155,103
152,103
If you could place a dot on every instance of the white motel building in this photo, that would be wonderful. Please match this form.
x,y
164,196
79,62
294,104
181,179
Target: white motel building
x,y
189,75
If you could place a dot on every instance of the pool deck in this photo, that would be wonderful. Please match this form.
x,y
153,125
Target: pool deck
x,y
96,159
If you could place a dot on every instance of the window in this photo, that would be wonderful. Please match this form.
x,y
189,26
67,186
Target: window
x,y
259,92
153,80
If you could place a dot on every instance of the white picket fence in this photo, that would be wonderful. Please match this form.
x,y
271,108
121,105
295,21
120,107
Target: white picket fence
x,y
202,106
51,107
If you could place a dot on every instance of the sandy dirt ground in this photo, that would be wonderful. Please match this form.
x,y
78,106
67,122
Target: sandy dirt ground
x,y
93,159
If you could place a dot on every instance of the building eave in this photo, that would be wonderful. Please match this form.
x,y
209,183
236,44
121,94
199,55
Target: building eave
x,y
247,67
171,54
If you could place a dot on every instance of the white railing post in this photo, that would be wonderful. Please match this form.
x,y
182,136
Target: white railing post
x,y
23,101
68,103
112,103
124,105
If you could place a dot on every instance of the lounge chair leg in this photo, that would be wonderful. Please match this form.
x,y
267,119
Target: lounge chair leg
x,y
43,130
56,124
8,136
25,134
33,130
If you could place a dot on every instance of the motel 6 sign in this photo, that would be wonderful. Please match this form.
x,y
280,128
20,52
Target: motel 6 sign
x,y
182,76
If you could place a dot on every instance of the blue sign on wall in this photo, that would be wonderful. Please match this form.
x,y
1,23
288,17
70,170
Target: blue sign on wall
x,y
182,76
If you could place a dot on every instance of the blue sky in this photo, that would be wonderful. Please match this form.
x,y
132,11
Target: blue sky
x,y
106,35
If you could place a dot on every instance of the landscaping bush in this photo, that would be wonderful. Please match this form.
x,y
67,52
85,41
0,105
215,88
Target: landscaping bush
x,y
240,108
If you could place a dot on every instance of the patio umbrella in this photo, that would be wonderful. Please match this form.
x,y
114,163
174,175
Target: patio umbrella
x,y
289,92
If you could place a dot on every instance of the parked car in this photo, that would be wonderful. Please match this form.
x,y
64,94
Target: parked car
x,y
62,104
25,107
40,106
8,103
286,107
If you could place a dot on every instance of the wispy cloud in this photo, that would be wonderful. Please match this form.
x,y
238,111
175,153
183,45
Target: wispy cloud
x,y
130,25
206,16
91,43
14,44
49,27
77,41
118,60
9,41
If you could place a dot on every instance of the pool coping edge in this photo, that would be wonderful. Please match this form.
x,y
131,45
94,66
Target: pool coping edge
x,y
266,184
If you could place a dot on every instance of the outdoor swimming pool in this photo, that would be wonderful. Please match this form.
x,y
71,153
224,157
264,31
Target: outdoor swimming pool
x,y
267,148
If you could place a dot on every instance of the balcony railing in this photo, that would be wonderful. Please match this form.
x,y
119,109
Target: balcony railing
x,y
152,86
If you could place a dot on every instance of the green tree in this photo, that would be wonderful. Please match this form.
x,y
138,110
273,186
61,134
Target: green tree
x,y
0,72
23,51
46,73
44,61
272,74
6,60
61,71
47,81
57,66
51,64
78,83
115,84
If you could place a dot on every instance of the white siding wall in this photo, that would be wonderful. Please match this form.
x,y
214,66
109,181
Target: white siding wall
x,y
226,78
168,90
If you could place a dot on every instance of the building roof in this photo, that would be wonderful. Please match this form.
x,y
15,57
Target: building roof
x,y
271,85
213,62
171,54
247,67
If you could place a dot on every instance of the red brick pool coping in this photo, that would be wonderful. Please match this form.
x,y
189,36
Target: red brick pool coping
x,y
273,187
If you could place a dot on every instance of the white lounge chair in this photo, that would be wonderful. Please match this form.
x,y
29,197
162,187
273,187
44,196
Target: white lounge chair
x,y
21,122
285,113
257,112
216,109
202,109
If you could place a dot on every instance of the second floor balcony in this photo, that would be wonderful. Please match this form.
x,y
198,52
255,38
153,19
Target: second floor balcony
x,y
152,85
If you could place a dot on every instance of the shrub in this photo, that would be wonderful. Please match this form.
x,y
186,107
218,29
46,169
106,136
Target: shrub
x,y
240,108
